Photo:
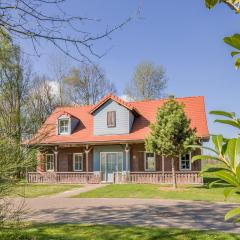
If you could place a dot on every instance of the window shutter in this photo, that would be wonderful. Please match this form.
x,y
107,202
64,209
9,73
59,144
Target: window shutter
x,y
111,119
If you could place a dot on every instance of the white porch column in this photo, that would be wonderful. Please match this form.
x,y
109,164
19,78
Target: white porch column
x,y
127,158
87,151
56,158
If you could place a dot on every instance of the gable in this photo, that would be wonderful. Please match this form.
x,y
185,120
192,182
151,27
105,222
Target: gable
x,y
123,116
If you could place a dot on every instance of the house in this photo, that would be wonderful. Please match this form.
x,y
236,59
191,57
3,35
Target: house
x,y
105,143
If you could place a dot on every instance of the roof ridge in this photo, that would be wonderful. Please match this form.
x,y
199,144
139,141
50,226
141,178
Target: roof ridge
x,y
159,99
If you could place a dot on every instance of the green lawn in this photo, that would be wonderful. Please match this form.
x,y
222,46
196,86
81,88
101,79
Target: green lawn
x,y
108,232
201,193
36,190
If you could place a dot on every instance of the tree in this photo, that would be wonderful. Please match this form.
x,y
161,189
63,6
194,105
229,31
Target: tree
x,y
227,153
46,21
148,82
41,101
14,83
59,66
14,159
171,133
87,84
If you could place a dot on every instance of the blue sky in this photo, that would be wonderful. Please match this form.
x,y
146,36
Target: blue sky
x,y
186,38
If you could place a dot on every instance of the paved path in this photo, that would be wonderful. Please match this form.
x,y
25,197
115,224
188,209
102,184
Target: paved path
x,y
146,212
76,191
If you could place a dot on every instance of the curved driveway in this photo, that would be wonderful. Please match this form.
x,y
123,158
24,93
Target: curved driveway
x,y
146,212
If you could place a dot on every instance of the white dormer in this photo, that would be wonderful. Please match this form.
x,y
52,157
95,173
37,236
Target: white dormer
x,y
66,124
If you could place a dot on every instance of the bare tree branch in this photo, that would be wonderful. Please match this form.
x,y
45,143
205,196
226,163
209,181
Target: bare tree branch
x,y
29,19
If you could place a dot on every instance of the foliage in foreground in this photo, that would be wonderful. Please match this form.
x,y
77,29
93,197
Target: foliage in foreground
x,y
13,161
107,232
234,40
226,152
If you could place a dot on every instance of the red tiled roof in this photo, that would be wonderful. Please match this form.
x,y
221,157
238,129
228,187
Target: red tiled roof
x,y
194,109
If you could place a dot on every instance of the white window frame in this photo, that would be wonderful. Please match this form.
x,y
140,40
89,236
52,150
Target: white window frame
x,y
106,159
77,170
49,154
190,162
69,126
145,162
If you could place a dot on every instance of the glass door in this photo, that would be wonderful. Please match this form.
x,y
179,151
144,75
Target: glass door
x,y
111,166
110,163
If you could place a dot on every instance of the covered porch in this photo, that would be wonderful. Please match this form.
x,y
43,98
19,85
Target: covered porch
x,y
110,163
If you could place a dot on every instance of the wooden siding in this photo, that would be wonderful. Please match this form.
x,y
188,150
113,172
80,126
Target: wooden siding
x,y
137,160
100,119
65,159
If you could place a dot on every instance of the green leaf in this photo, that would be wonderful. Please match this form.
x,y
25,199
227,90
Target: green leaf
x,y
233,151
210,3
233,41
218,141
205,157
238,172
229,122
228,192
210,185
213,170
203,147
223,113
232,213
236,220
237,63
234,53
227,177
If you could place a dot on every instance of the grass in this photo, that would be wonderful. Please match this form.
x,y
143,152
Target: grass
x,y
108,232
36,190
195,193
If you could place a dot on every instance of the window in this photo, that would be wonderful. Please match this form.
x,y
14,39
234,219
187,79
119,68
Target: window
x,y
185,162
63,126
78,162
111,119
150,161
49,162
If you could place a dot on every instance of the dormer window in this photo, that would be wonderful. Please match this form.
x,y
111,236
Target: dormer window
x,y
111,119
63,126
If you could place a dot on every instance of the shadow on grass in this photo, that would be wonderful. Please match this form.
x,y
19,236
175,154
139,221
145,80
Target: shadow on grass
x,y
109,232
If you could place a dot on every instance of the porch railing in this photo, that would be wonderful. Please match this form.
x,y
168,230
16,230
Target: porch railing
x,y
159,177
63,177
132,177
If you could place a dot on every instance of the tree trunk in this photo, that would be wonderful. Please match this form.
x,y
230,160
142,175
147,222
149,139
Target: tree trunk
x,y
174,174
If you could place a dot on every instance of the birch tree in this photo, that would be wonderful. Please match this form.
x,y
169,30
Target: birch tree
x,y
87,84
149,82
